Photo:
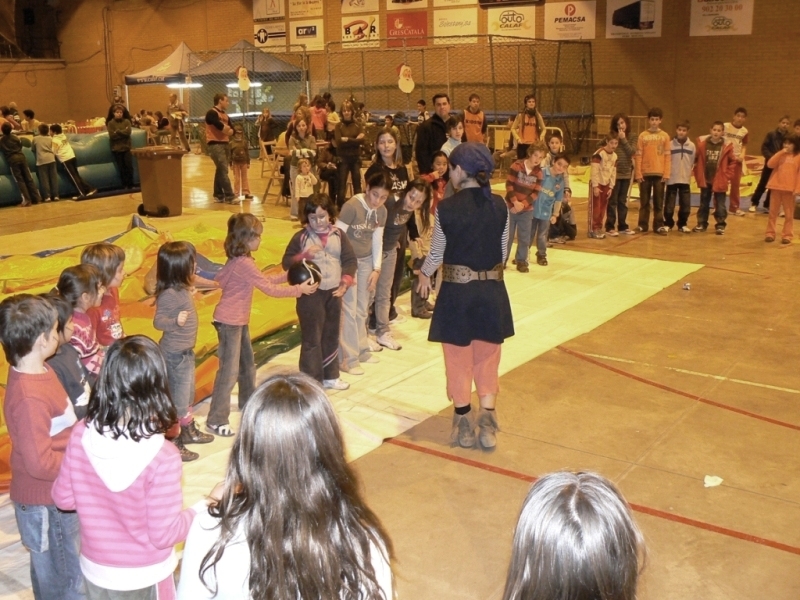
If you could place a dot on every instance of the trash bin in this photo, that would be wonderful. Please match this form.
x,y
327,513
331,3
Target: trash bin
x,y
162,180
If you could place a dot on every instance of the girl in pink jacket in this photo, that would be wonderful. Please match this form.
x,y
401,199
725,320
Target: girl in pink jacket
x,y
784,185
124,479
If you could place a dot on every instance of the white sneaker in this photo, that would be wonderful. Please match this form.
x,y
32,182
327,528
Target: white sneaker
x,y
374,346
372,360
398,319
335,384
353,370
751,209
739,213
387,341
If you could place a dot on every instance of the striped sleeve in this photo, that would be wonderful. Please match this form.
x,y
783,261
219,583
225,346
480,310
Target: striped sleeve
x,y
438,243
504,239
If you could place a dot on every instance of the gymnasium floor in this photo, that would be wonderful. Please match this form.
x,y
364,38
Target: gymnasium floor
x,y
657,392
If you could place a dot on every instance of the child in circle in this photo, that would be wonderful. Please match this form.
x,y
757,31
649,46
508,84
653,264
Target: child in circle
x,y
81,286
106,319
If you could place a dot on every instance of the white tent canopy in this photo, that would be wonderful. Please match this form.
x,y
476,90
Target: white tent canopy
x,y
172,69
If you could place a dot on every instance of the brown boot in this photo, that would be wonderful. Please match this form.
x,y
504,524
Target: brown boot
x,y
186,454
487,425
463,433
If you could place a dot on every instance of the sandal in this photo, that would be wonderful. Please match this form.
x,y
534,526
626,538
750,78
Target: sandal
x,y
220,430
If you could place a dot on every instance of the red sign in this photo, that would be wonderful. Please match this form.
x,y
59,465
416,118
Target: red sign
x,y
409,26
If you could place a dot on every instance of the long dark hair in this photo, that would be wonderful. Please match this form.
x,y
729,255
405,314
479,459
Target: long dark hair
x,y
242,227
78,280
131,396
575,539
175,266
615,123
291,493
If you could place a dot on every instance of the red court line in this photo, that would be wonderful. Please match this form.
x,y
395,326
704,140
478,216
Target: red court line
x,y
732,270
653,512
667,388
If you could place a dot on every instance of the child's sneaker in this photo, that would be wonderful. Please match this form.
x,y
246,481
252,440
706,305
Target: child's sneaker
x,y
628,231
374,346
720,231
541,260
612,233
335,384
752,208
640,230
662,230
685,229
353,370
597,235
387,341
699,229
740,213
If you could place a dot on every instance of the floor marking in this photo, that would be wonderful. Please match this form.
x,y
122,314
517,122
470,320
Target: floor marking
x,y
698,373
667,388
653,512
736,271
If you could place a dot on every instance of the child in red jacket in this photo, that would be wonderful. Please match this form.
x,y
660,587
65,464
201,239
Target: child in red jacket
x,y
784,185
713,171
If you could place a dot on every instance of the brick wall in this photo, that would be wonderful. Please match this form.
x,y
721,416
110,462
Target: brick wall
x,y
701,79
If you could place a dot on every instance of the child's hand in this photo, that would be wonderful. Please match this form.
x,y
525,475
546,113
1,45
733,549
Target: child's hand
x,y
553,220
372,282
340,290
308,287
216,494
314,250
596,191
567,196
424,285
182,316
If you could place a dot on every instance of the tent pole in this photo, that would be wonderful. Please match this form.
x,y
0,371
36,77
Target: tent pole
x,y
127,100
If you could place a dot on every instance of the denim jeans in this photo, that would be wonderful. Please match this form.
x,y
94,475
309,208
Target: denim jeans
x,y
720,211
180,374
383,291
27,188
540,229
53,539
223,191
651,186
522,223
48,180
236,363
683,194
617,211
353,343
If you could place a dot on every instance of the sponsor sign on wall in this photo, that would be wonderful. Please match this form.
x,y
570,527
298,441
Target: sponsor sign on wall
x,y
451,3
305,8
264,10
309,33
358,6
406,4
409,26
570,20
270,35
516,21
721,17
455,22
360,31
629,19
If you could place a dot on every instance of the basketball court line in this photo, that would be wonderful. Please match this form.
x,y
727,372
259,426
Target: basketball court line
x,y
667,388
653,512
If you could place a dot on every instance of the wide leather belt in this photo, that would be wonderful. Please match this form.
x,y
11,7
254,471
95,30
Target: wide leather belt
x,y
462,274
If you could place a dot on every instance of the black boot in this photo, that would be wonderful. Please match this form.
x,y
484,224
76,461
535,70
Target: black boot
x,y
186,454
191,435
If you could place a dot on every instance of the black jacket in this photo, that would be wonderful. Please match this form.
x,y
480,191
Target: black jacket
x,y
430,136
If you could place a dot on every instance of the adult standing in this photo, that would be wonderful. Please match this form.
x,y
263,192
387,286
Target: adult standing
x,y
772,144
177,113
432,133
218,134
472,316
528,127
348,136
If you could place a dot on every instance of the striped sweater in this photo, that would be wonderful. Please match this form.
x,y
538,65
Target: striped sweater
x,y
238,278
129,503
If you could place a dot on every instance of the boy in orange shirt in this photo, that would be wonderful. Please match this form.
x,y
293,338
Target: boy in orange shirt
x,y
652,172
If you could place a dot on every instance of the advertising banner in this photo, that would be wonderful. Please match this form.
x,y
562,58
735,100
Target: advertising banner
x,y
518,21
406,4
310,33
265,10
409,26
628,19
570,20
721,17
360,31
299,9
453,22
270,36
359,6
